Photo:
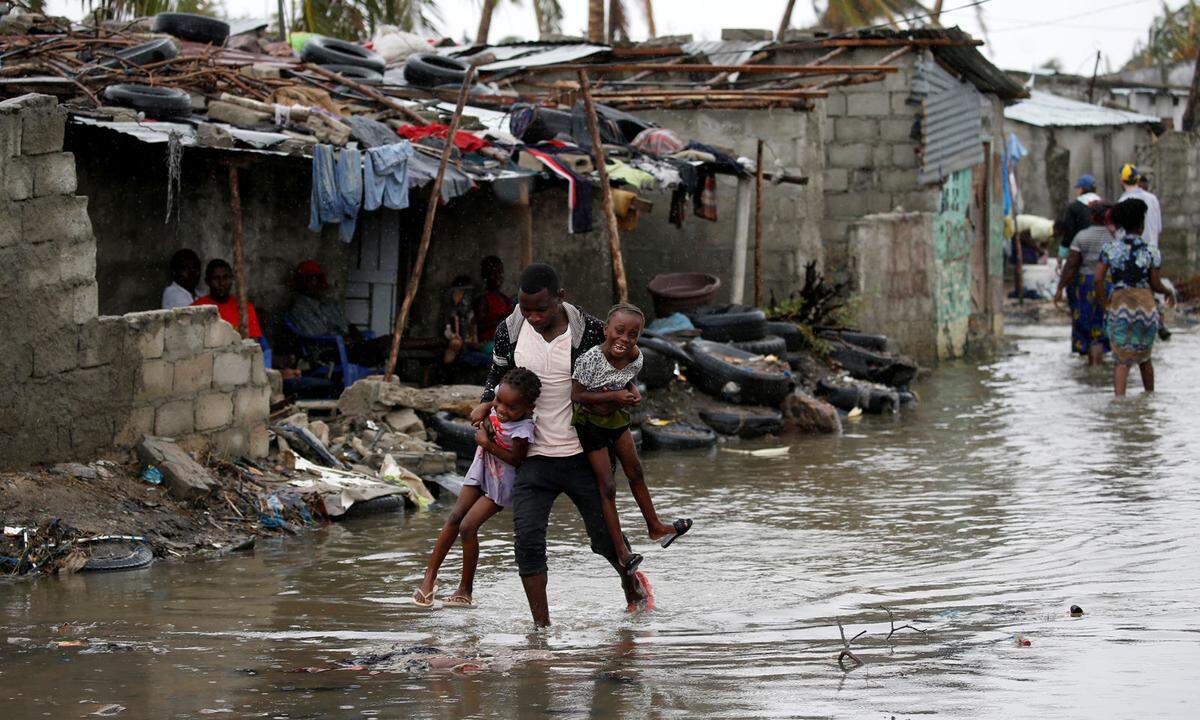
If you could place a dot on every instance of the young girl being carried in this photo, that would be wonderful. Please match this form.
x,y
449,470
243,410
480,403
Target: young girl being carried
x,y
503,439
602,391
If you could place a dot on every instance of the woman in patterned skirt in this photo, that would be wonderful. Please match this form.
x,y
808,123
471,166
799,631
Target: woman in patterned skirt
x,y
1087,320
1131,316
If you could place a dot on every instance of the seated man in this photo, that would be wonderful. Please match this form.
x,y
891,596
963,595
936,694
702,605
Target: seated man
x,y
219,278
185,276
314,315
459,327
493,305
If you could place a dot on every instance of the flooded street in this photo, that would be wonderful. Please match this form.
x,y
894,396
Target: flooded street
x,y
1011,492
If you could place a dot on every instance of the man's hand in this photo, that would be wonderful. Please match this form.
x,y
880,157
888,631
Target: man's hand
x,y
480,412
482,436
628,397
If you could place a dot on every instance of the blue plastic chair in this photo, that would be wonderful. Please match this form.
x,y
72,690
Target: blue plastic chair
x,y
266,349
312,345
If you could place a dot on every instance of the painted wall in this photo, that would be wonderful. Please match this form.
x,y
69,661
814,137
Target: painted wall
x,y
1175,162
953,237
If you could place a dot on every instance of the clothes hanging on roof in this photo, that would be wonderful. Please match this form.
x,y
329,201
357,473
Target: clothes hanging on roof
x,y
422,169
370,133
666,175
723,160
465,141
678,207
622,173
337,190
579,190
385,176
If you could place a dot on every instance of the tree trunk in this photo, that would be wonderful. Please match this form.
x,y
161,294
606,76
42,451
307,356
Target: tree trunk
x,y
596,21
485,22
935,15
649,7
787,19
1190,110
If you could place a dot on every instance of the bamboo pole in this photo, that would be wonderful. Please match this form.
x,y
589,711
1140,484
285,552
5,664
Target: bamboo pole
x,y
369,92
239,259
435,194
758,203
620,287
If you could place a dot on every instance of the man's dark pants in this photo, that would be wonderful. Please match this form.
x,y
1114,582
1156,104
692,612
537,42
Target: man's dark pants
x,y
540,480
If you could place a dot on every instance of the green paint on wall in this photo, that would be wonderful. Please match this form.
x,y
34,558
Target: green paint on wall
x,y
952,237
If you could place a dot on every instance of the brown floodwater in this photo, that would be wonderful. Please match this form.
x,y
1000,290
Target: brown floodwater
x,y
1013,491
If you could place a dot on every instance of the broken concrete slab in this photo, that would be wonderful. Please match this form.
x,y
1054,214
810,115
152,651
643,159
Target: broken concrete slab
x,y
405,421
373,396
808,414
184,477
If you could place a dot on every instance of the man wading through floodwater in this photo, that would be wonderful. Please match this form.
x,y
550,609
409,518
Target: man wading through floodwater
x,y
546,335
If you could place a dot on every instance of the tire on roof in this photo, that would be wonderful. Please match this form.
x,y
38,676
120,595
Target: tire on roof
x,y
187,26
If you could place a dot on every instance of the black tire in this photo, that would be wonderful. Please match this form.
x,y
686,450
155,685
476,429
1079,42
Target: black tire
x,y
532,124
729,323
357,73
331,51
677,436
375,506
847,396
869,341
118,556
657,369
873,366
454,434
743,422
789,332
431,70
769,345
144,54
665,347
156,102
196,28
712,370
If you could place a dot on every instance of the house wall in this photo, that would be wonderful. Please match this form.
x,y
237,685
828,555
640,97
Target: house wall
x,y
1047,183
74,383
1175,160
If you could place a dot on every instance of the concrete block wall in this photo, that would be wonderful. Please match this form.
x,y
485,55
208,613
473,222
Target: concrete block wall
x,y
73,384
1175,163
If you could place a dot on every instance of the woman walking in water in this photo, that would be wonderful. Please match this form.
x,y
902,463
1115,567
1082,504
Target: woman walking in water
x,y
1131,316
1087,319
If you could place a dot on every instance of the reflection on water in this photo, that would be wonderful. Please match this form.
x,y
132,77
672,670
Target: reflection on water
x,y
1011,492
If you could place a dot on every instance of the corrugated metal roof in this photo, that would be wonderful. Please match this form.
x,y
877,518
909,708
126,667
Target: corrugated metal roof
x,y
1044,109
952,123
522,56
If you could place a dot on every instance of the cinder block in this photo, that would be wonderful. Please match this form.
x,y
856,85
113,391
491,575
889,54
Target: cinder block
x,y
98,343
77,263
10,223
182,338
10,136
232,442
193,374
213,410
219,333
835,103
836,179
848,156
52,174
91,432
174,419
904,156
157,380
231,369
855,130
55,352
60,217
258,370
873,104
18,178
42,129
251,404
901,104
131,430
260,443
898,180
896,129
86,303
150,340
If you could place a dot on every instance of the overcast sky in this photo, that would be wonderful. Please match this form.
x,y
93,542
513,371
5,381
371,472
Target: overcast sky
x,y
1022,33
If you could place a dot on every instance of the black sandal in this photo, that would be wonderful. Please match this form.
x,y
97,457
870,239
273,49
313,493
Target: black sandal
x,y
681,527
632,563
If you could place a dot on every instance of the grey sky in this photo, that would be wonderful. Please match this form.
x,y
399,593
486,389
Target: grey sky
x,y
1023,33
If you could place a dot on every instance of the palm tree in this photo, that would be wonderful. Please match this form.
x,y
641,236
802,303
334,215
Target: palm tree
x,y
648,8
595,26
840,15
485,21
549,16
618,22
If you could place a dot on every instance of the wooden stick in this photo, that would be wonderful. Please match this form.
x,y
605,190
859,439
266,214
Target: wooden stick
x,y
758,203
846,77
239,260
371,93
671,68
620,288
701,92
435,195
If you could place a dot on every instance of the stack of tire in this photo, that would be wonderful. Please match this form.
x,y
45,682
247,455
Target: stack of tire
x,y
350,60
159,102
434,71
881,378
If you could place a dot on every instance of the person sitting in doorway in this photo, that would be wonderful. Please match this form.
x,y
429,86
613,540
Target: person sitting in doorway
x,y
185,277
314,315
492,305
218,275
460,329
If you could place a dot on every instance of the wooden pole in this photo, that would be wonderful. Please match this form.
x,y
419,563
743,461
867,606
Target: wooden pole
x,y
786,21
696,68
239,260
741,241
758,203
369,92
620,288
1188,121
435,194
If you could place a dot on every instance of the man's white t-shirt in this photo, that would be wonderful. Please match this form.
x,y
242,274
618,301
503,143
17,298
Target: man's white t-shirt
x,y
1153,214
175,296
553,435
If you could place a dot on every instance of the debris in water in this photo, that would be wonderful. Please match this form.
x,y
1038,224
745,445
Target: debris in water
x,y
764,452
1022,642
109,710
892,620
1076,611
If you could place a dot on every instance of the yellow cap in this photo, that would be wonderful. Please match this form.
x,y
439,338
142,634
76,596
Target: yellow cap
x,y
1129,174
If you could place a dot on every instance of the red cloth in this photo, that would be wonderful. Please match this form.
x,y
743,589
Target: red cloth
x,y
228,311
493,308
464,141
